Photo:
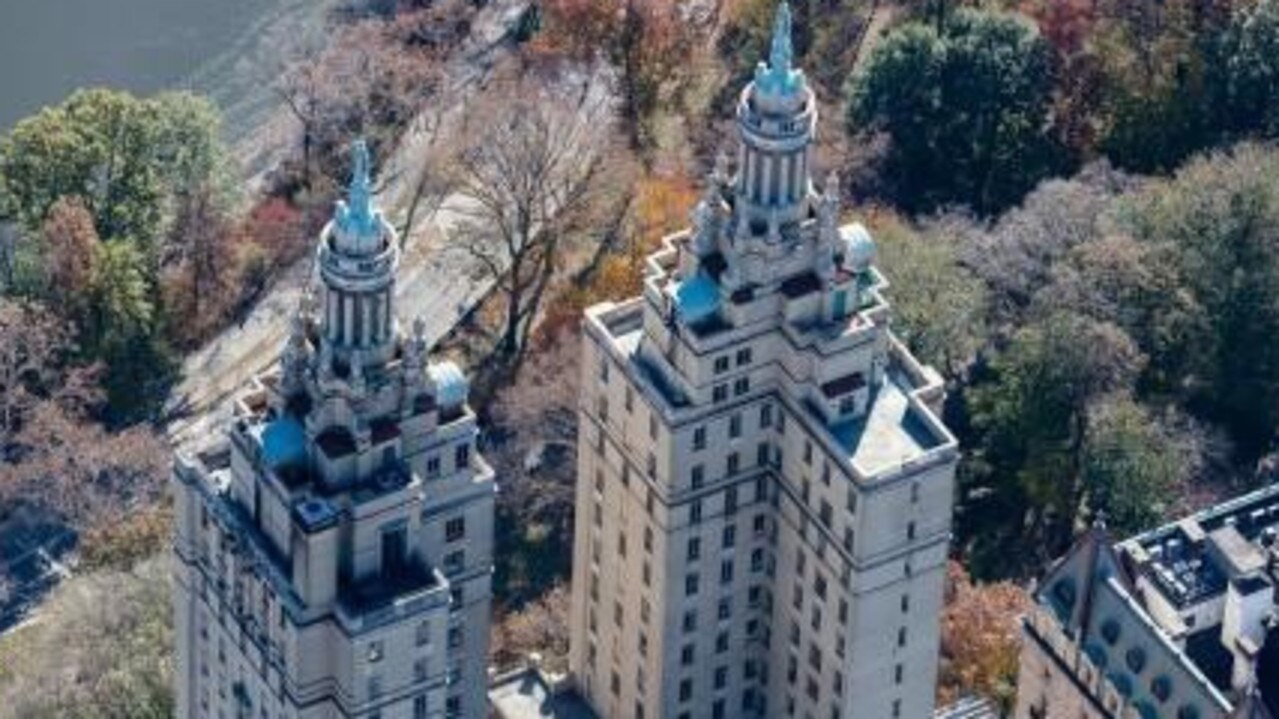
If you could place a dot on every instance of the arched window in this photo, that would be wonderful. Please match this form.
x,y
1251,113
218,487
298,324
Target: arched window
x,y
1110,631
1161,687
1136,659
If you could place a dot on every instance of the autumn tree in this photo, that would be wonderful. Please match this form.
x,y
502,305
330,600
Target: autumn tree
x,y
33,348
366,81
646,40
980,639
540,627
70,257
529,179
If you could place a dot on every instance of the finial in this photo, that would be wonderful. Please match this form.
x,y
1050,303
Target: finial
x,y
357,215
779,59
778,74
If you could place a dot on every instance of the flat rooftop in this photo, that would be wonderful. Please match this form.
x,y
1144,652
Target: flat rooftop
x,y
1192,560
525,694
890,433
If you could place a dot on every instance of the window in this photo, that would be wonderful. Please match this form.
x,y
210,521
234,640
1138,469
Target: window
x,y
603,366
699,438
729,536
621,544
694,549
761,454
602,408
433,466
721,678
721,364
719,393
690,585
734,463
695,512
808,452
721,642
901,637
419,707
897,674
686,655
698,475
455,529
730,501
741,386
629,400
454,562
905,603
455,637
910,531
685,689
650,466
690,621
462,456
619,614
423,634
766,416
735,426
374,653
743,356
825,513
725,609
726,571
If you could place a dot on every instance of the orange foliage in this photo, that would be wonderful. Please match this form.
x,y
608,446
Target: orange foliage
x,y
662,206
980,638
578,28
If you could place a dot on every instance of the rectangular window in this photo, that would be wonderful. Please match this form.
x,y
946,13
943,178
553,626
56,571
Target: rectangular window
x,y
462,456
694,550
695,512
721,364
699,438
735,426
432,466
455,529
741,386
698,475
743,356
719,393
733,463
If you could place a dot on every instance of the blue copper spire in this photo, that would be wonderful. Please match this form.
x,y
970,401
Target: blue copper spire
x,y
356,215
779,76
779,59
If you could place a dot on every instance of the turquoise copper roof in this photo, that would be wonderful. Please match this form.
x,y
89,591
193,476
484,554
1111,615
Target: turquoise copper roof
x,y
859,247
283,443
780,77
356,216
697,299
451,386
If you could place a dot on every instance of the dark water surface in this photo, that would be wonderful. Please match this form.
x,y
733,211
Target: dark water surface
x,y
230,49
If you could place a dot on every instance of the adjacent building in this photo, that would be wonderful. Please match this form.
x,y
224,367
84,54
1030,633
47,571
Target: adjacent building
x,y
1178,623
764,487
334,549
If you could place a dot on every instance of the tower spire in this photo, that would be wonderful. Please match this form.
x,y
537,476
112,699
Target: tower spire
x,y
783,52
356,216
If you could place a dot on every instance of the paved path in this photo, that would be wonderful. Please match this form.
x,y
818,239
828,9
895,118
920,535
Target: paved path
x,y
434,283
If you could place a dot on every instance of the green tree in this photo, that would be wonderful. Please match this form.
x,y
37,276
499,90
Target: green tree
x,y
1217,222
124,331
966,110
1031,419
939,306
125,158
1132,466
1252,68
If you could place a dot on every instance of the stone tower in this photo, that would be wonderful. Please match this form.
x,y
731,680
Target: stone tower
x,y
334,548
764,487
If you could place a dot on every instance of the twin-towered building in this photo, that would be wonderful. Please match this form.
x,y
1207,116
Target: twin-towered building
x,y
763,499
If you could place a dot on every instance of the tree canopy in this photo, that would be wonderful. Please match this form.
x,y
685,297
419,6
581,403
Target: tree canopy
x,y
965,108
